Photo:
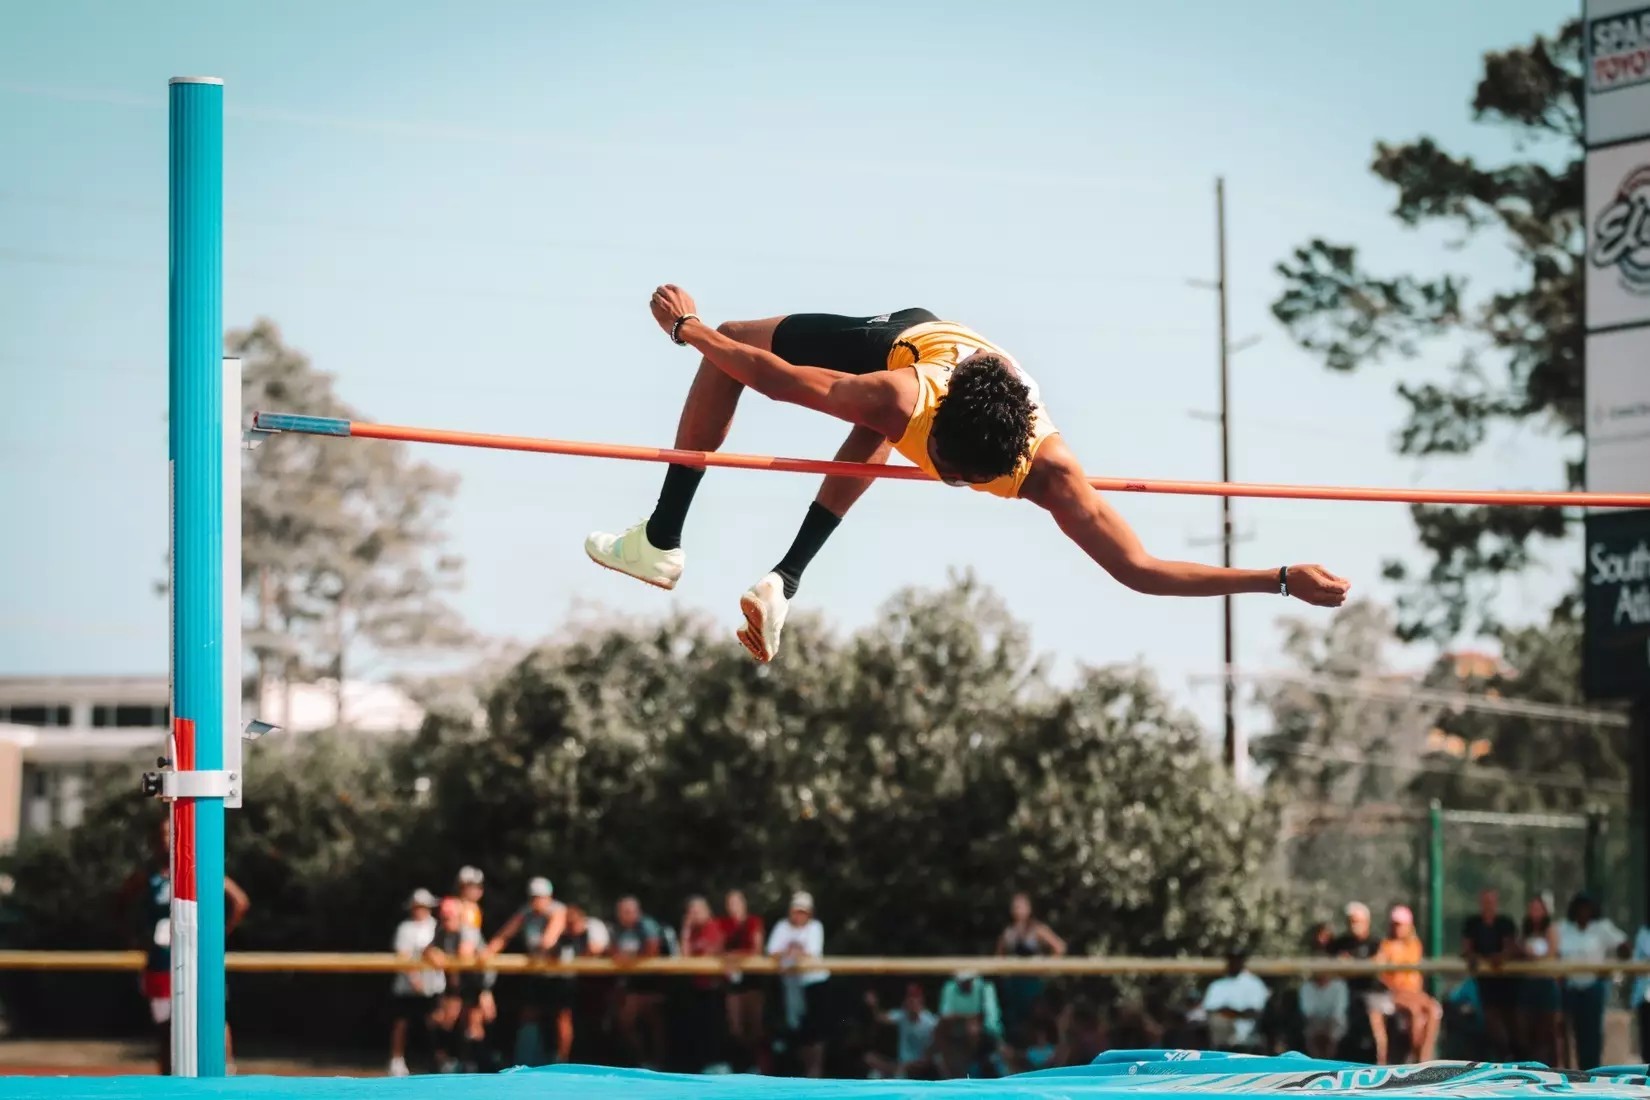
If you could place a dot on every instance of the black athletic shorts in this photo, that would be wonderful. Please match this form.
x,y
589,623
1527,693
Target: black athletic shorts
x,y
415,1008
852,345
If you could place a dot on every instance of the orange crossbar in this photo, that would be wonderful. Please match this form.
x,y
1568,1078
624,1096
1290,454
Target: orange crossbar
x,y
1498,497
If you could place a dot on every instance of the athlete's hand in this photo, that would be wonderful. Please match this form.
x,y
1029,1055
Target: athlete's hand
x,y
669,303
1317,586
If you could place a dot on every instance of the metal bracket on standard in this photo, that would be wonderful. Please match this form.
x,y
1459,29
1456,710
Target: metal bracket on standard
x,y
171,785
252,437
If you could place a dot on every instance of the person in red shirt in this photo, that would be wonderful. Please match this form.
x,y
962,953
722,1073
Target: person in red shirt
x,y
742,934
702,937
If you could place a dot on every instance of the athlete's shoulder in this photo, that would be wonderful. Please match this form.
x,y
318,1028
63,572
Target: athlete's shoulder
x,y
1054,472
882,401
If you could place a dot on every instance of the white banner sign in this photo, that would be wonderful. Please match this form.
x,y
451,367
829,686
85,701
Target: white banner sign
x,y
1618,411
1617,44
1618,235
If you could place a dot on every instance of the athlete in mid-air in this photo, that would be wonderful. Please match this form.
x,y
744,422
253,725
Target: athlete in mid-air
x,y
944,397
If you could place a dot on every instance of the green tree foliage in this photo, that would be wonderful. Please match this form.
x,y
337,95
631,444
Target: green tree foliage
x,y
343,545
1517,349
911,775
891,774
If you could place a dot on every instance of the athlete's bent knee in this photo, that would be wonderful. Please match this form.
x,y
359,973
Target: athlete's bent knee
x,y
756,334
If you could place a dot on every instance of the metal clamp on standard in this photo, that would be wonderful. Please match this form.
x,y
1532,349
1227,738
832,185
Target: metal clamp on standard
x,y
172,785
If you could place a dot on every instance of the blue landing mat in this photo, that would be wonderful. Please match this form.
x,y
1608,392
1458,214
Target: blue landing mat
x,y
1118,1075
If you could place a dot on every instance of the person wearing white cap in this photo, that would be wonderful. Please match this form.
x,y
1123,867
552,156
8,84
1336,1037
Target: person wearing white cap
x,y
968,995
539,924
971,1025
416,992
1358,942
793,942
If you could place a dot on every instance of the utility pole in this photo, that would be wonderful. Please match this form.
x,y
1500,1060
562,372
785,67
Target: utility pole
x,y
1235,753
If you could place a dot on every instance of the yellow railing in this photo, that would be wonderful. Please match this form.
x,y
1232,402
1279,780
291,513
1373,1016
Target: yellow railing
x,y
337,962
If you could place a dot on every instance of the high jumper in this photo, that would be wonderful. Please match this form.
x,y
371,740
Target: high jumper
x,y
955,404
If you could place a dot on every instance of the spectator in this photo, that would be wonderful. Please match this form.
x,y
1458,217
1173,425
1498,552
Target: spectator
x,y
1233,1005
153,883
975,1055
540,924
1641,991
599,935
417,992
1026,937
469,886
1040,1049
794,941
1540,999
1488,939
702,938
969,996
1364,990
969,1014
1463,1022
636,937
585,937
1585,936
460,1029
1407,987
742,936
1324,1001
914,1049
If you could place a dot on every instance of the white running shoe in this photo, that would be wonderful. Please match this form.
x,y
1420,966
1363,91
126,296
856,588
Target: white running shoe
x,y
764,606
632,555
398,1067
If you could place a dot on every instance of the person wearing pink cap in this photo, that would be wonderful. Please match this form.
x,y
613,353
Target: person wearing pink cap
x,y
1408,989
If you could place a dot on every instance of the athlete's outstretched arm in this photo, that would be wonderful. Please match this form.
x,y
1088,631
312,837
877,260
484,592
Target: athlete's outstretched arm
x,y
869,401
1058,484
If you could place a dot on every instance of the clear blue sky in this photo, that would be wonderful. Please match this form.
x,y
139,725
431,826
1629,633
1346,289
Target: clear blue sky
x,y
460,211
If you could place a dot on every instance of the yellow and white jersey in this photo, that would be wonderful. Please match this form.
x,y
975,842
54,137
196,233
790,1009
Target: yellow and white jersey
x,y
933,350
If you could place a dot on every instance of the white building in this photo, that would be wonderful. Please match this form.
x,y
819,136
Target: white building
x,y
56,730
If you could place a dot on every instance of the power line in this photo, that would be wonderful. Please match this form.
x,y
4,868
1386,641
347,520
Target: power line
x,y
1481,773
1366,688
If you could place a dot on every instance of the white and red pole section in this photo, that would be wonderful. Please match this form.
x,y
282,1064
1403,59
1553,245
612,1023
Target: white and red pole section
x,y
201,656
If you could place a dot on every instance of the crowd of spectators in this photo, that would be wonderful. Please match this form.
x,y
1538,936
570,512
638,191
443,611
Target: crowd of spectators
x,y
803,1022
1392,1017
452,1019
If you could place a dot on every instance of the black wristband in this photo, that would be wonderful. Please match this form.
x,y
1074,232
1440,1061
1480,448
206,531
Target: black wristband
x,y
1283,580
676,329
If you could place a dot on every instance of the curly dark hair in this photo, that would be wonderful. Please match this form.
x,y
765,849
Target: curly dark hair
x,y
982,427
